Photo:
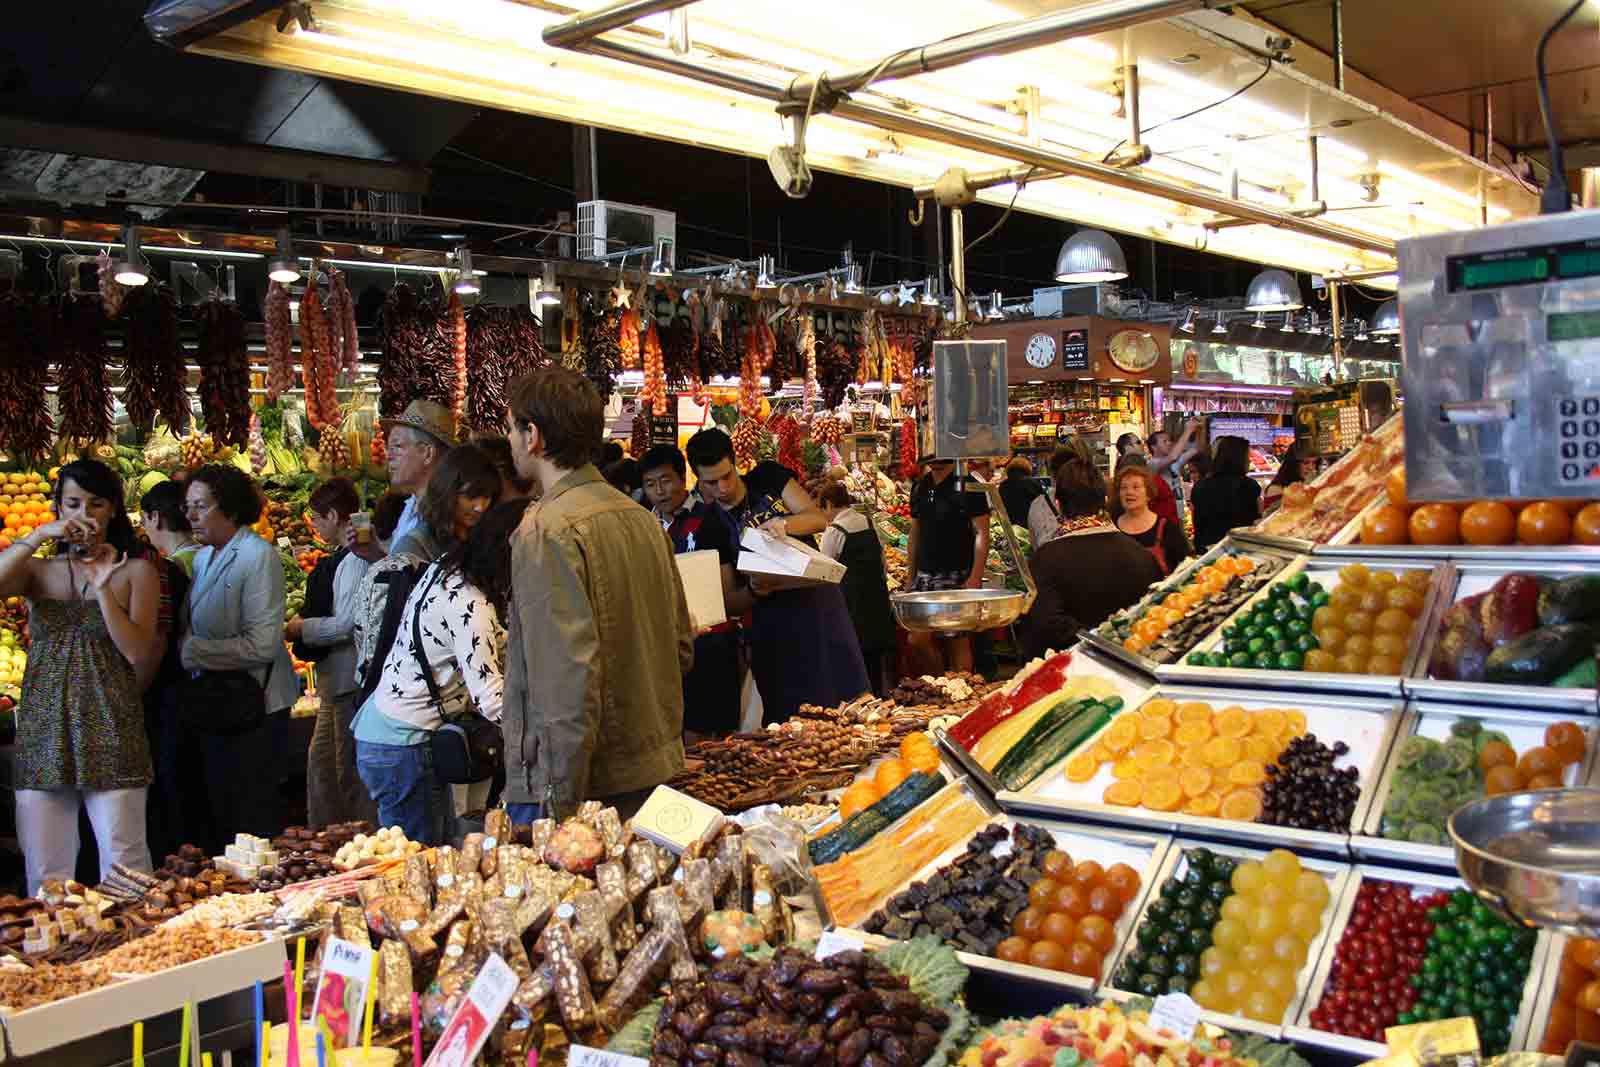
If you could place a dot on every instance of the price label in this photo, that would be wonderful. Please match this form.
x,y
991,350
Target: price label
x,y
1175,1013
832,942
283,542
464,1036
584,1056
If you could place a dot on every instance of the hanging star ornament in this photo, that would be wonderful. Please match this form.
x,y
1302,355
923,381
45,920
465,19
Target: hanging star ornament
x,y
621,296
906,295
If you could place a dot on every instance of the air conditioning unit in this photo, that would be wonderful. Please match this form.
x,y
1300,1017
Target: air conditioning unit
x,y
605,226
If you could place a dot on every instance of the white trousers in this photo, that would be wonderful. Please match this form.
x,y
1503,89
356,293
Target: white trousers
x,y
47,824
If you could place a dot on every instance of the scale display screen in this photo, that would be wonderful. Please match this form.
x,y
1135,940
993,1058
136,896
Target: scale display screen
x,y
1572,325
1523,266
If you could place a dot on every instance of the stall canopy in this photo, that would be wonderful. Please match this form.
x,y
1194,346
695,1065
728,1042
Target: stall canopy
x,y
1277,165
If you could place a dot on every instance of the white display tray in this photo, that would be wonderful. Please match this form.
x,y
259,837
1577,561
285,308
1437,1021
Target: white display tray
x,y
1145,853
132,999
1433,719
1367,725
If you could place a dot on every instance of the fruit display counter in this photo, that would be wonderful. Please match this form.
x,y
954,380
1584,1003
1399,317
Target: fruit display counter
x,y
1324,626
1445,755
1030,898
1567,1002
1239,930
1257,768
1405,947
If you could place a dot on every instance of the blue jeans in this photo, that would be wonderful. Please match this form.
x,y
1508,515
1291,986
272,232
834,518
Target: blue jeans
x,y
524,814
401,781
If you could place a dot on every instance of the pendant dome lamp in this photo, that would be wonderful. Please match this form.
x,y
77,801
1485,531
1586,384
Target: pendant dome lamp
x,y
1091,256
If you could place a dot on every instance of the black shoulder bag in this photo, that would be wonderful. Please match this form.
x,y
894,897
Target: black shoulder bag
x,y
224,703
467,747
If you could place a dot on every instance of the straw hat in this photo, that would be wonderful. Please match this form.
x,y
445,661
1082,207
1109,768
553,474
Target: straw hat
x,y
427,417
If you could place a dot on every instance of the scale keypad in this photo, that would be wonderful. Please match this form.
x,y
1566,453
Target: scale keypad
x,y
1578,437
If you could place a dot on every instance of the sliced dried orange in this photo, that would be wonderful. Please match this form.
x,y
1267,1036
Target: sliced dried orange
x,y
1193,756
1194,711
1156,753
1125,770
1205,804
1125,794
1194,780
1221,752
1192,733
1159,708
1265,749
1159,773
1268,722
1082,767
1247,772
1164,795
1232,721
1122,734
1294,722
1154,729
1241,805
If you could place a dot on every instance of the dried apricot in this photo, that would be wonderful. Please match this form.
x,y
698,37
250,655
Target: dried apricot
x,y
1122,734
1082,767
1496,754
1163,795
1124,794
1232,721
1194,781
1242,805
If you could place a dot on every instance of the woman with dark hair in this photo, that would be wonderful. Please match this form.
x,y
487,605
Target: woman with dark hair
x,y
1089,570
849,539
94,621
1161,536
235,625
452,627
1229,497
1292,471
166,525
512,485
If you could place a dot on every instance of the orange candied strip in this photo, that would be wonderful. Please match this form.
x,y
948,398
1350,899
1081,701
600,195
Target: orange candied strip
x,y
854,884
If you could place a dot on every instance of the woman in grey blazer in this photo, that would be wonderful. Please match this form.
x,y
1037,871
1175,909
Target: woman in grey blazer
x,y
236,607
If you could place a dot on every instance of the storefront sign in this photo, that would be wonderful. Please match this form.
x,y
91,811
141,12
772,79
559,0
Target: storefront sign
x,y
664,428
1075,350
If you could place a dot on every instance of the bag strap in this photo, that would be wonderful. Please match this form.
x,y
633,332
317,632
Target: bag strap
x,y
416,647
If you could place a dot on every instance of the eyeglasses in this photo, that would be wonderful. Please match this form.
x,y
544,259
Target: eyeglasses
x,y
197,507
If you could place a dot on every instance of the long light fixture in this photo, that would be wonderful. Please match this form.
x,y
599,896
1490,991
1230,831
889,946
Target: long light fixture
x,y
1386,323
284,268
131,269
549,294
1091,256
70,242
1273,290
466,282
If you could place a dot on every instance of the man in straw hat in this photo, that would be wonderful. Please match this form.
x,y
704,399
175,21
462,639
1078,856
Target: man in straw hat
x,y
417,441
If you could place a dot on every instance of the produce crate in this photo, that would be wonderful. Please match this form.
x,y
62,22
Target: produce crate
x,y
1105,636
1325,573
1145,853
1477,576
1367,725
1433,719
1544,997
1535,1001
1336,874
125,1002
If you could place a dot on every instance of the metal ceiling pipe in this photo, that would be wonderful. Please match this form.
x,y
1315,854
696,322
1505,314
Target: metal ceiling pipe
x,y
1045,162
998,40
180,23
581,28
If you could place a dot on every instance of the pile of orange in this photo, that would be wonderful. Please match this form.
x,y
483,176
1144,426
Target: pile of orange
x,y
1203,583
1539,767
24,502
1481,522
917,753
1167,756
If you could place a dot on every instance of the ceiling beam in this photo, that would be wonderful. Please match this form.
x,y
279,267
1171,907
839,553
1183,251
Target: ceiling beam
x,y
262,161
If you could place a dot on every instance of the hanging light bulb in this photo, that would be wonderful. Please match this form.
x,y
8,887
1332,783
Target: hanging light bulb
x,y
1273,290
852,279
1261,321
996,312
1091,256
1386,323
1314,325
549,292
131,269
1187,325
1219,325
1361,329
466,278
929,298
284,268
764,266
664,262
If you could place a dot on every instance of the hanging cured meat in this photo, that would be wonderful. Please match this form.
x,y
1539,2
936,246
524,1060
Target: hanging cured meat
x,y
224,372
341,310
83,393
456,321
280,358
503,344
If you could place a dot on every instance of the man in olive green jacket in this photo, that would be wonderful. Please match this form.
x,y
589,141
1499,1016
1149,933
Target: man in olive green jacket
x,y
600,634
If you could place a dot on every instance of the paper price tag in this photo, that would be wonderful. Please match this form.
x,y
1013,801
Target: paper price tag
x,y
584,1056
1176,1013
283,542
469,1027
832,941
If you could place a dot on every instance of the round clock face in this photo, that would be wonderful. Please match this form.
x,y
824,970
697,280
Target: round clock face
x,y
1041,351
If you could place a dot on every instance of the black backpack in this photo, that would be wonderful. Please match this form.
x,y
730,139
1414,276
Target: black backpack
x,y
399,582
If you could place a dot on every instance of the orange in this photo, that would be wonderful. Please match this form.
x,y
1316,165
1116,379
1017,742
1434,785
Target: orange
x,y
1155,753
1544,523
1395,485
1386,525
1122,734
1263,749
1586,525
1194,711
1221,752
1502,779
891,772
1154,729
1232,721
925,759
1125,794
1242,805
1206,804
1082,767
1566,740
1124,769
1436,524
912,742
1159,708
1194,781
1488,522
1192,733
1164,795
1247,772
1268,722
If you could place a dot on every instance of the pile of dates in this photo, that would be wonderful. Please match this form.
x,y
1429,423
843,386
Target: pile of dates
x,y
847,1010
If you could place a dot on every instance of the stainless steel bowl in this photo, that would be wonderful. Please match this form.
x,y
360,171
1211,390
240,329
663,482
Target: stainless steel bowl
x,y
1534,856
958,610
